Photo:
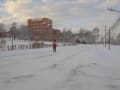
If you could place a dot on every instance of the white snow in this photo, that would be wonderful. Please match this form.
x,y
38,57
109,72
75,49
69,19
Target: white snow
x,y
82,67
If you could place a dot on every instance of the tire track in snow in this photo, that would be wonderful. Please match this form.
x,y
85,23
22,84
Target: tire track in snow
x,y
53,66
60,62
77,70
19,78
113,87
73,73
69,77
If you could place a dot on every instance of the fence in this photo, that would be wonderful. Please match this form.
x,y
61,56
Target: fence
x,y
18,45
22,47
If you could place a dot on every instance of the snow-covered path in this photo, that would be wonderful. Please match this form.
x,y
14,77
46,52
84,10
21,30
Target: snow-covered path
x,y
84,67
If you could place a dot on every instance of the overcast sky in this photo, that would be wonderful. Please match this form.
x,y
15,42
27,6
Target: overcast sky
x,y
73,14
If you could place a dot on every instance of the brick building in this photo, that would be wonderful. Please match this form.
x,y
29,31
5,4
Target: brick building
x,y
4,34
41,29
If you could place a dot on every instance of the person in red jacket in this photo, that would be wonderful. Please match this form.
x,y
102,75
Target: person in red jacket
x,y
54,45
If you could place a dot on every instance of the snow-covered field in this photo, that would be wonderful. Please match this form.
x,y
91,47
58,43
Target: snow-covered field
x,y
82,67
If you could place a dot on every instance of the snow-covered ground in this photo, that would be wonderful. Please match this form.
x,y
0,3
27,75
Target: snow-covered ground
x,y
82,67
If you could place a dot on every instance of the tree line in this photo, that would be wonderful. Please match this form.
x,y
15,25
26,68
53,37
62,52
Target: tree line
x,y
82,36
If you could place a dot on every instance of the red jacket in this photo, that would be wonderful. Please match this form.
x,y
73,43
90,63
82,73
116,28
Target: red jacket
x,y
54,45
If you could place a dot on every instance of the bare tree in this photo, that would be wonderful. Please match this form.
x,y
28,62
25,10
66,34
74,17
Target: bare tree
x,y
13,30
24,32
2,29
2,37
96,32
67,35
88,36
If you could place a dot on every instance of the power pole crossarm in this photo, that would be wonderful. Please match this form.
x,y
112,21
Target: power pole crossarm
x,y
113,10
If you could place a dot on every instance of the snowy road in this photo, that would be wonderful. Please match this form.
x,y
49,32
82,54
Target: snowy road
x,y
88,67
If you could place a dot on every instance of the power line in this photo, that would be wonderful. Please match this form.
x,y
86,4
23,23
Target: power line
x,y
110,9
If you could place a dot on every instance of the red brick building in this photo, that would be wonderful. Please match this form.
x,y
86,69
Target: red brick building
x,y
4,34
41,29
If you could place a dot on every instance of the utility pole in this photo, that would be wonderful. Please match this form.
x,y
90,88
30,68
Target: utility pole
x,y
105,36
109,39
118,11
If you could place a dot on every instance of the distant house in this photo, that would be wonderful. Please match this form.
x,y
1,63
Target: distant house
x,y
82,38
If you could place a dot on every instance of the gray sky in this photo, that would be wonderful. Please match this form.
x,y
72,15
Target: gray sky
x,y
74,14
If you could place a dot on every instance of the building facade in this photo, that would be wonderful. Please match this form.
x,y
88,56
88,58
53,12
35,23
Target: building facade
x,y
4,34
41,29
